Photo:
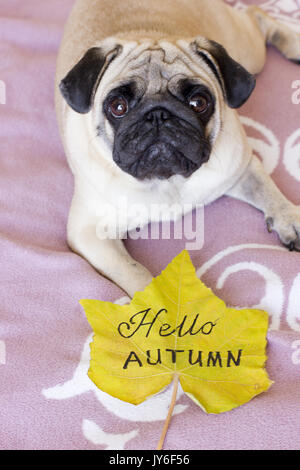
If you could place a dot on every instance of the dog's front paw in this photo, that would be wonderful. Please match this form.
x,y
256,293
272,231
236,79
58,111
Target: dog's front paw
x,y
287,224
288,42
292,47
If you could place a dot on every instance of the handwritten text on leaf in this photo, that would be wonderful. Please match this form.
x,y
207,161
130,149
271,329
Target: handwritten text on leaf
x,y
178,327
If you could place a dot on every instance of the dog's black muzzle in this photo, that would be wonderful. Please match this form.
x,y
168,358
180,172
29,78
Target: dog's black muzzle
x,y
160,139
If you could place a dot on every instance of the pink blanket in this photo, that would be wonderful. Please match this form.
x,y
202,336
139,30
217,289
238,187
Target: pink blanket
x,y
46,398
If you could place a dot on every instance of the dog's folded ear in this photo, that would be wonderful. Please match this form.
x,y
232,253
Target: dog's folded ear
x,y
80,84
237,83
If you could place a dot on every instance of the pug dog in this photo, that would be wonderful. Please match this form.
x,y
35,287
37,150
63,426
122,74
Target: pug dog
x,y
146,99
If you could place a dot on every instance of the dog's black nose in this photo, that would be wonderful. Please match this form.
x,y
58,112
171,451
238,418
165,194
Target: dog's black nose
x,y
158,115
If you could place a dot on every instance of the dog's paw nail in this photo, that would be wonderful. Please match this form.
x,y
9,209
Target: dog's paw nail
x,y
292,246
270,222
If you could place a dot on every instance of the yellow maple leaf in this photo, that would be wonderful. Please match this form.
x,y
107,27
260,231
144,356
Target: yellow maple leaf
x,y
178,328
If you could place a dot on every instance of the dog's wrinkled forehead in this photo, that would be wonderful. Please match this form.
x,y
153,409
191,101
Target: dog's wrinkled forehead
x,y
155,67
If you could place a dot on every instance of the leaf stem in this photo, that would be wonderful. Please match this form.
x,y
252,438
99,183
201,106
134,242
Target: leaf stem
x,y
171,409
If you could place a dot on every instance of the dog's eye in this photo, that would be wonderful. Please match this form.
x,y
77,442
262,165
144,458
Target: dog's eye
x,y
118,107
200,103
